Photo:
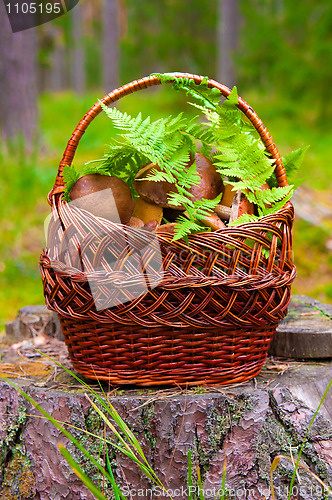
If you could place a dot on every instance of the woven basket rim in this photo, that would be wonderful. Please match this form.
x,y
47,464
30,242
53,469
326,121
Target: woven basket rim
x,y
261,220
248,282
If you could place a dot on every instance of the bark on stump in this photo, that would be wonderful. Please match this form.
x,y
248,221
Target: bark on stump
x,y
243,426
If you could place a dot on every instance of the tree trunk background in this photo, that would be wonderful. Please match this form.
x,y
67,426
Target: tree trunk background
x,y
58,78
110,45
227,41
77,55
242,427
18,82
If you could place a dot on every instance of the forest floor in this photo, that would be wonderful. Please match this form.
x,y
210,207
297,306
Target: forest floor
x,y
26,180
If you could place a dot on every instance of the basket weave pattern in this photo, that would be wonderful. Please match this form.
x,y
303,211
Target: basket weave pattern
x,y
209,319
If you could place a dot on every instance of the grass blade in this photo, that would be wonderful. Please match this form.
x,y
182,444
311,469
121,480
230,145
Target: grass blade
x,y
108,407
273,467
117,492
200,484
145,467
122,425
325,486
190,479
80,474
223,481
305,439
59,427
79,380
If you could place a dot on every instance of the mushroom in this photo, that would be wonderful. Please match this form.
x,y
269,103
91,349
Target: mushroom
x,y
104,196
211,184
246,206
209,187
146,211
241,205
222,211
213,221
152,191
167,228
151,225
135,222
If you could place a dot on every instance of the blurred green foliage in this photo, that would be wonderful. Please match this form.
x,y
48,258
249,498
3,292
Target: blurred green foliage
x,y
287,49
169,35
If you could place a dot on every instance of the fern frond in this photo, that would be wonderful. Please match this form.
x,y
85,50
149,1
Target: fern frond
x,y
245,218
179,199
250,184
158,176
70,176
227,139
267,196
278,205
203,208
202,92
211,116
207,150
184,227
122,161
292,163
199,132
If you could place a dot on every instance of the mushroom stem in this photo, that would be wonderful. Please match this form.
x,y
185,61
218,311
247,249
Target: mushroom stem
x,y
240,206
235,207
222,211
228,195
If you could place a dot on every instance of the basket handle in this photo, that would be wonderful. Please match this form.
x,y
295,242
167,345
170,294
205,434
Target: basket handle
x,y
151,81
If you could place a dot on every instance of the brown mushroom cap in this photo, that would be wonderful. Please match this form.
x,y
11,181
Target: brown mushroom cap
x,y
135,222
91,193
151,191
209,187
167,228
211,184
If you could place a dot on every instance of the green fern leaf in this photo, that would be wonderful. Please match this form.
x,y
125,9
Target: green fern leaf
x,y
207,96
184,227
244,219
227,138
70,176
292,163
274,195
278,205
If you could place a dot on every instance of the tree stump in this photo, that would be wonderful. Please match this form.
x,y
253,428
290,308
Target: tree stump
x,y
242,427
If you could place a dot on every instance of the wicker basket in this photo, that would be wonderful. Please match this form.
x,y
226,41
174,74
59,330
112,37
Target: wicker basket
x,y
212,317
